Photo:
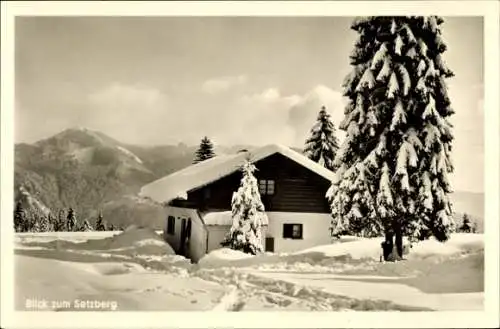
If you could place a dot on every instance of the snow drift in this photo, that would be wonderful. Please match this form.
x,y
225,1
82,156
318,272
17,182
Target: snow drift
x,y
132,241
347,253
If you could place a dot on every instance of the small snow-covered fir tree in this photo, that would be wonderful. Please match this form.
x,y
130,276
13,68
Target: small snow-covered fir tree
x,y
205,151
52,225
34,222
100,225
59,222
322,145
86,227
466,224
44,223
395,159
248,215
19,218
71,223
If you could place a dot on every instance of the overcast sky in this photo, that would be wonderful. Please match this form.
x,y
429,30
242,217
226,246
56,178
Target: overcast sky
x,y
238,80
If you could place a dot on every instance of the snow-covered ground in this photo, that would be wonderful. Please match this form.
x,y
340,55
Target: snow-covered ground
x,y
139,271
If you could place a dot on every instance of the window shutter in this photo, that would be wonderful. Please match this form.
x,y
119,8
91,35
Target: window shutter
x,y
287,230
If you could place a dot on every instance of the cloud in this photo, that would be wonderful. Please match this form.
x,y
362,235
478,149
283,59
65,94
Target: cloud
x,y
303,114
271,96
468,130
221,84
130,113
269,116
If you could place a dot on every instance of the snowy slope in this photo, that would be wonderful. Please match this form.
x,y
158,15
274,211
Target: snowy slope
x,y
130,154
340,277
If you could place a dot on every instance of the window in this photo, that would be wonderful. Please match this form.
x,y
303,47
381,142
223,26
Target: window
x,y
292,231
266,187
171,225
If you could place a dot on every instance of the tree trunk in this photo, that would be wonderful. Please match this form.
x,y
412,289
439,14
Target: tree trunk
x,y
399,241
388,246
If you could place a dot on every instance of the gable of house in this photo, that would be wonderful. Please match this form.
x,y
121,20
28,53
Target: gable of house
x,y
284,186
302,182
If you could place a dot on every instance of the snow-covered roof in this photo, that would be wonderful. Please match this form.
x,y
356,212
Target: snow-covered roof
x,y
177,184
224,218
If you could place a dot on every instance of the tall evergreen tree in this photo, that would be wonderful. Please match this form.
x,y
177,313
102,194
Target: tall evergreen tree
x,y
395,159
322,145
19,218
248,215
205,151
71,223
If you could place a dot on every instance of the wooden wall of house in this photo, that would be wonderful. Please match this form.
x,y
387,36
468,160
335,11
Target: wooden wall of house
x,y
297,189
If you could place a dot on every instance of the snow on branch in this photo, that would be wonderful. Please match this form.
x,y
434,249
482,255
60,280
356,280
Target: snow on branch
x,y
412,138
421,86
426,192
371,118
399,45
379,56
432,135
423,47
430,23
409,33
393,86
406,79
430,108
421,67
353,129
412,53
385,71
382,145
431,71
384,196
367,80
399,115
401,161
393,27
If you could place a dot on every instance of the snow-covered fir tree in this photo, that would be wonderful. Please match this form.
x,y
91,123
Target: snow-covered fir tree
x,y
248,215
205,151
100,225
44,223
86,227
322,145
466,226
34,222
52,227
395,159
19,218
60,222
71,223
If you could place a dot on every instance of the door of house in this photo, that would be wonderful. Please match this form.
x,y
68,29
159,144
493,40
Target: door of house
x,y
185,235
269,244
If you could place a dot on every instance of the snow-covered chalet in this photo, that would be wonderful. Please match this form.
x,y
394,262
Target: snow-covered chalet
x,y
197,201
